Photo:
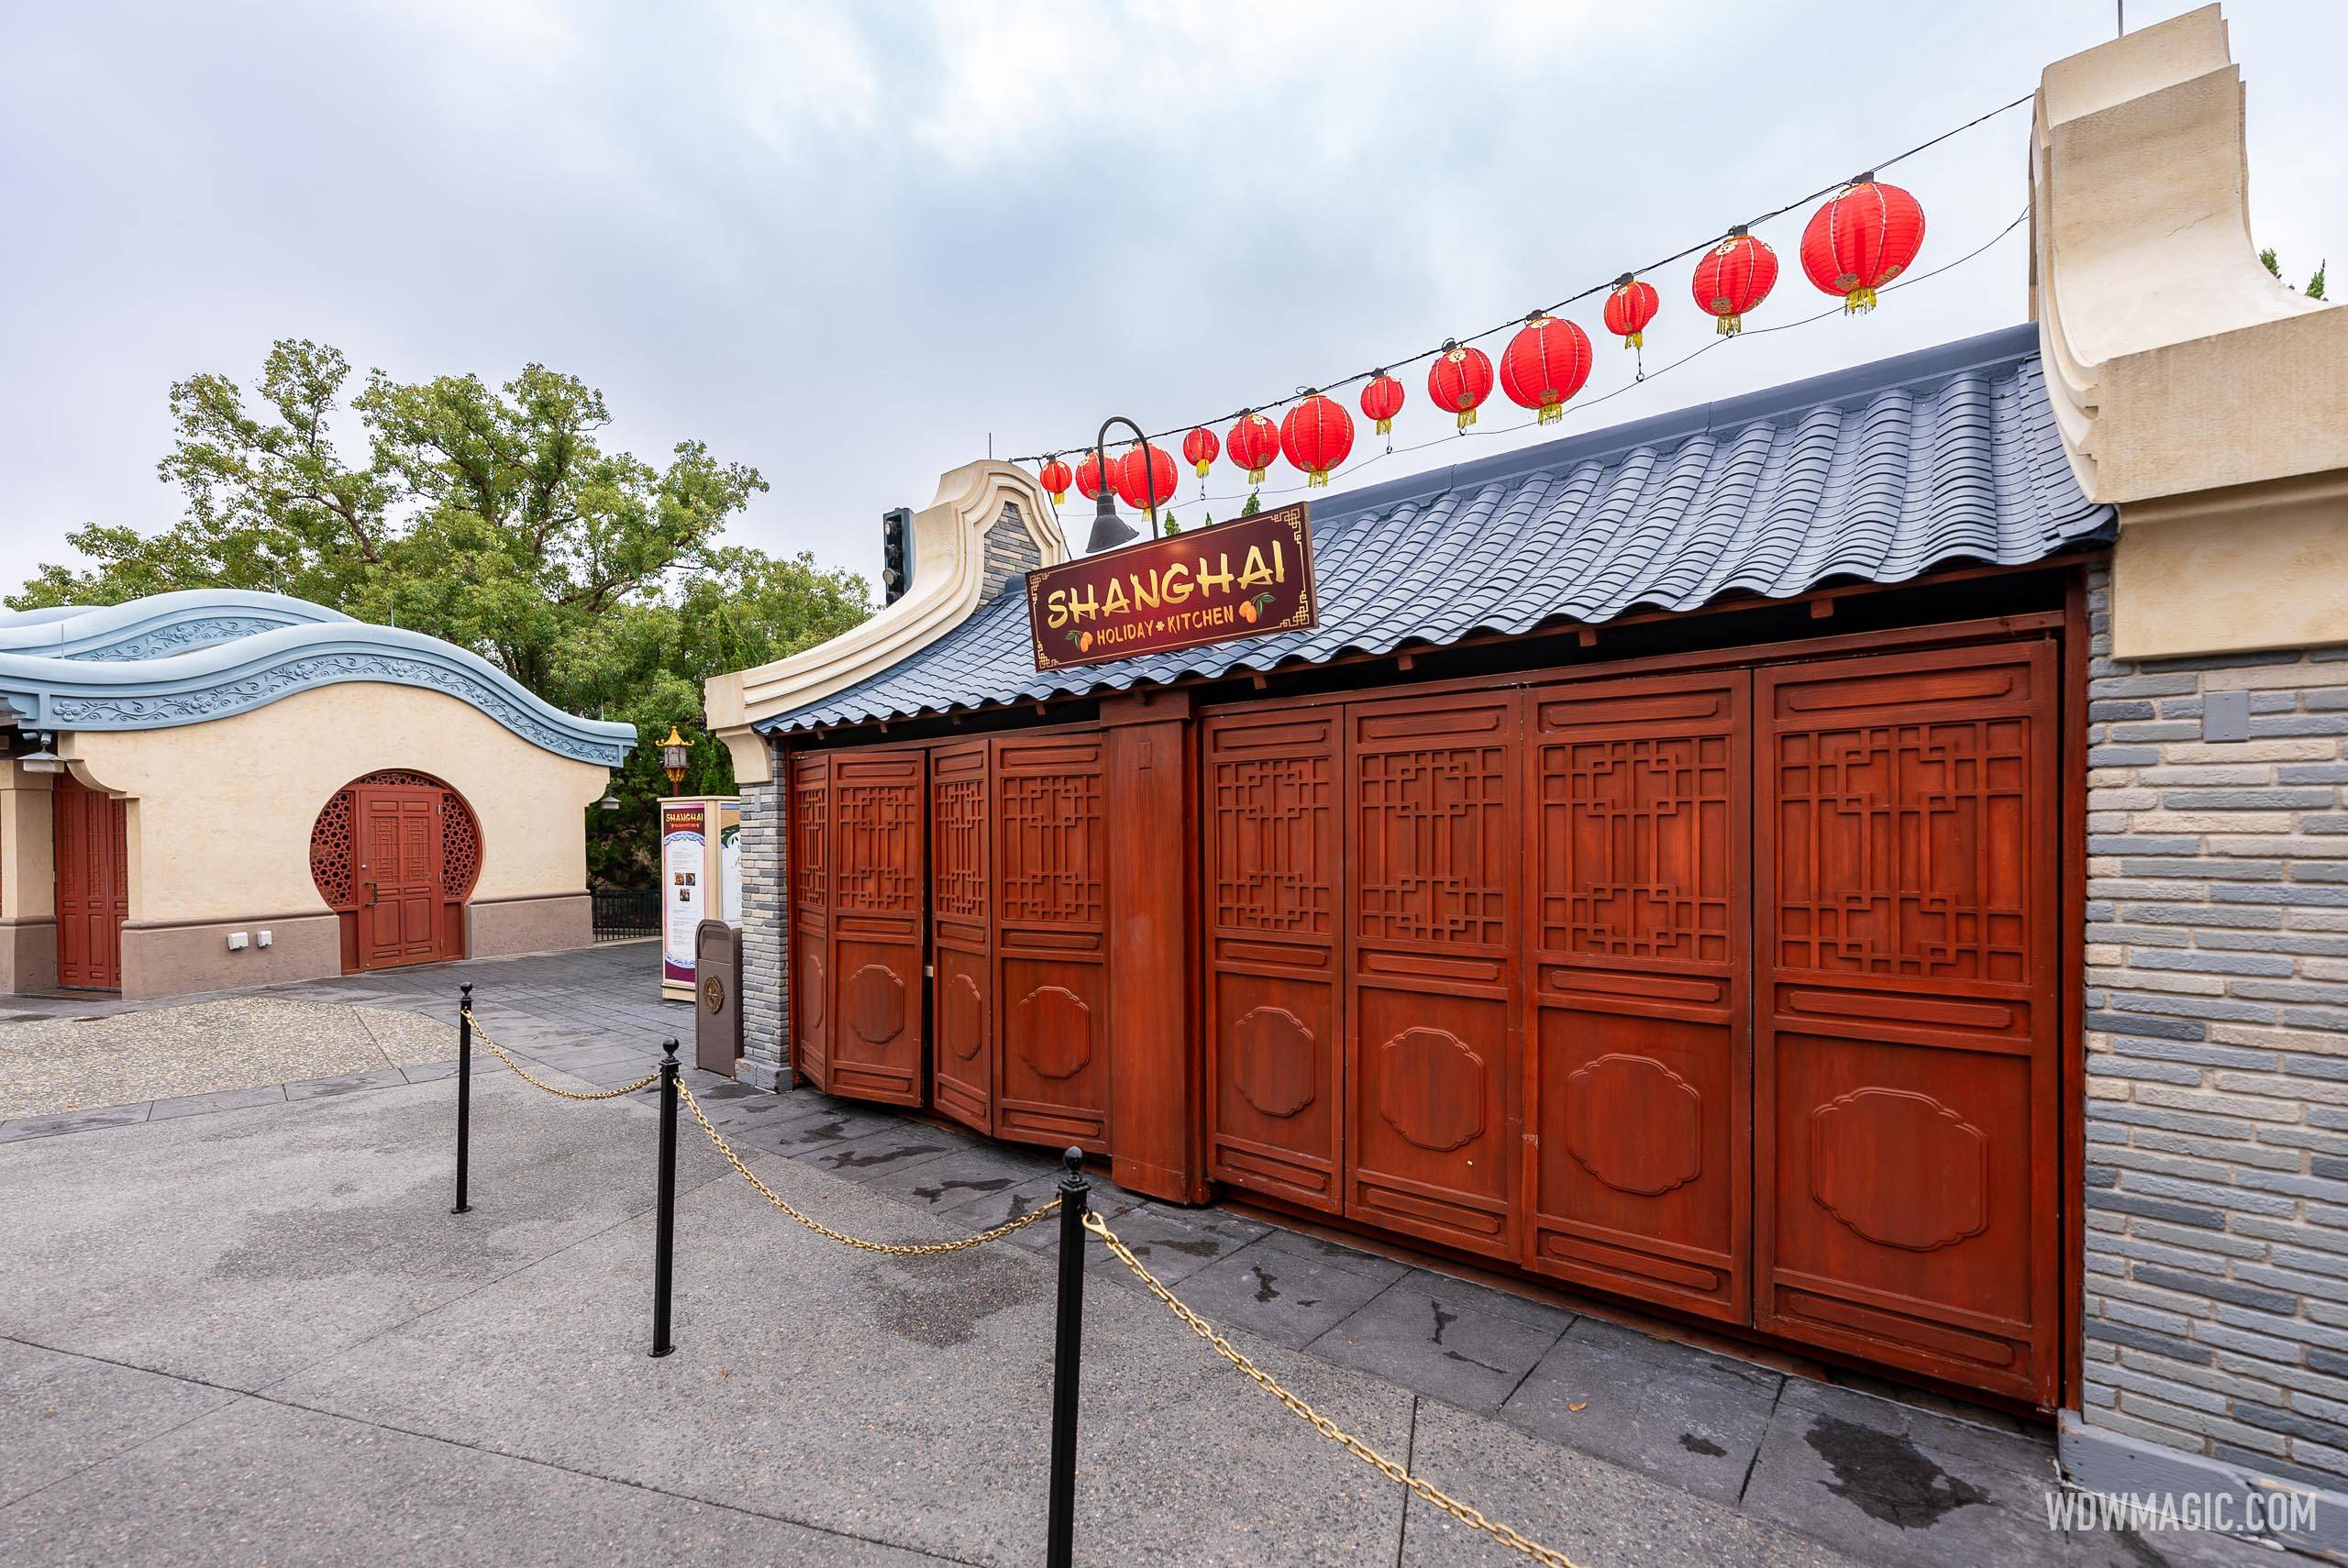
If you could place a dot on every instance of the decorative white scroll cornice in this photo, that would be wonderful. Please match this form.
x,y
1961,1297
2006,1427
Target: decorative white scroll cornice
x,y
2175,361
67,692
159,625
948,547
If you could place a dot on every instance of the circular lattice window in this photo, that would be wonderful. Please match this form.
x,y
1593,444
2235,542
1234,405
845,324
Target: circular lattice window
x,y
332,838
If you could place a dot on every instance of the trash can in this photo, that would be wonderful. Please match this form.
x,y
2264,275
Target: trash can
x,y
717,997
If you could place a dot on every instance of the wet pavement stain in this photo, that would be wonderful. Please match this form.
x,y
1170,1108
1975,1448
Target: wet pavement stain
x,y
1264,1288
1471,1360
849,1160
830,1131
1703,1445
1200,1248
1888,1477
1442,1320
991,1184
944,1308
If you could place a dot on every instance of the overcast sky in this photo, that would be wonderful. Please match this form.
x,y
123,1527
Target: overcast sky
x,y
846,242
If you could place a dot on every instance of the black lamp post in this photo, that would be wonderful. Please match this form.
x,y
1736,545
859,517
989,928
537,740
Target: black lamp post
x,y
1109,530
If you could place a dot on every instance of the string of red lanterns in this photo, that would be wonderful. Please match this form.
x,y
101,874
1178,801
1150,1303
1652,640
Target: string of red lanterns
x,y
1866,235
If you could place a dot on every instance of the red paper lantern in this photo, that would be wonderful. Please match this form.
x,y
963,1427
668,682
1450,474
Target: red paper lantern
x,y
1088,475
1382,400
1055,478
1145,477
1316,435
1732,277
1198,449
1460,379
1629,309
1545,363
1252,442
1861,240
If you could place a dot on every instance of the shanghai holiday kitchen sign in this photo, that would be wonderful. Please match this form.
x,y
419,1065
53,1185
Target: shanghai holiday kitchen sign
x,y
1245,578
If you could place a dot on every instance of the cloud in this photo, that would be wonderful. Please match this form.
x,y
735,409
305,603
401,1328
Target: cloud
x,y
847,241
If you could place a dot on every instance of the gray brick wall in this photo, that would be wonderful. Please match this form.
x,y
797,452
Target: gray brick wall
x,y
2217,1035
765,1004
1010,554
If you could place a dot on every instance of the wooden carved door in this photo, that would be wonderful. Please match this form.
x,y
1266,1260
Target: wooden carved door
x,y
1275,1070
398,874
1906,1061
1051,940
89,835
1639,1044
810,817
878,803
961,903
1431,1065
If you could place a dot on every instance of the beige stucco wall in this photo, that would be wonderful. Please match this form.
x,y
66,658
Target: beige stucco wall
x,y
2193,390
2233,570
220,812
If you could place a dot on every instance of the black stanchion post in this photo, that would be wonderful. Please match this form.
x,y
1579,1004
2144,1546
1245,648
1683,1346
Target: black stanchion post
x,y
664,1224
1067,1347
464,1092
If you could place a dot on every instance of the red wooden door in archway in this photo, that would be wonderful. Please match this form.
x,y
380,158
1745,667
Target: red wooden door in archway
x,y
90,836
398,874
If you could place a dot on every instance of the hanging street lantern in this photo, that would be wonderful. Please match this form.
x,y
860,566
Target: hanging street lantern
x,y
1861,240
1628,308
1055,478
1460,378
1544,364
1731,277
1145,477
1253,442
1382,400
1109,530
1088,477
674,752
1316,435
1200,448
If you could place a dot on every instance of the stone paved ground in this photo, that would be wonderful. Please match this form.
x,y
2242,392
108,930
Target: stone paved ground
x,y
250,1331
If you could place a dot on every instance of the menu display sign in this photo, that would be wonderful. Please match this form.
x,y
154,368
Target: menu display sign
x,y
683,842
1244,579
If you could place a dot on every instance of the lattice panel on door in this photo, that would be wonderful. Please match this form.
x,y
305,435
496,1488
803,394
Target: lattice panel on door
x,y
1902,849
1052,847
1271,819
879,829
1636,830
460,848
331,858
811,839
958,808
1432,835
330,851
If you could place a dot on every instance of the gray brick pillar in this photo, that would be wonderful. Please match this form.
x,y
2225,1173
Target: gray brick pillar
x,y
765,1004
2216,1322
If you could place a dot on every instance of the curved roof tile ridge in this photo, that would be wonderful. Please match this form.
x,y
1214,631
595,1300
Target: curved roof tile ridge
x,y
1878,474
158,625
146,665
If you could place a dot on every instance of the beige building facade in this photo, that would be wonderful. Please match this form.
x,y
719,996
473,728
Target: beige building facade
x,y
216,789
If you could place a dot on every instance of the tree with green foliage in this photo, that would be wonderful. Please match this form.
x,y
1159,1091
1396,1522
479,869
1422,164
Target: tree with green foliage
x,y
491,517
2314,290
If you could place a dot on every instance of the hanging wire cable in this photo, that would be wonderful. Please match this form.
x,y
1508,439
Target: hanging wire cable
x,y
1389,366
1577,407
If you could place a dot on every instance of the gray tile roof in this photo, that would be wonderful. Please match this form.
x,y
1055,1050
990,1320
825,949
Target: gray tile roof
x,y
1875,474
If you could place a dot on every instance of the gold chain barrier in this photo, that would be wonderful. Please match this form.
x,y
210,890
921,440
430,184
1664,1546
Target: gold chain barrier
x,y
894,1248
523,1073
1398,1474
